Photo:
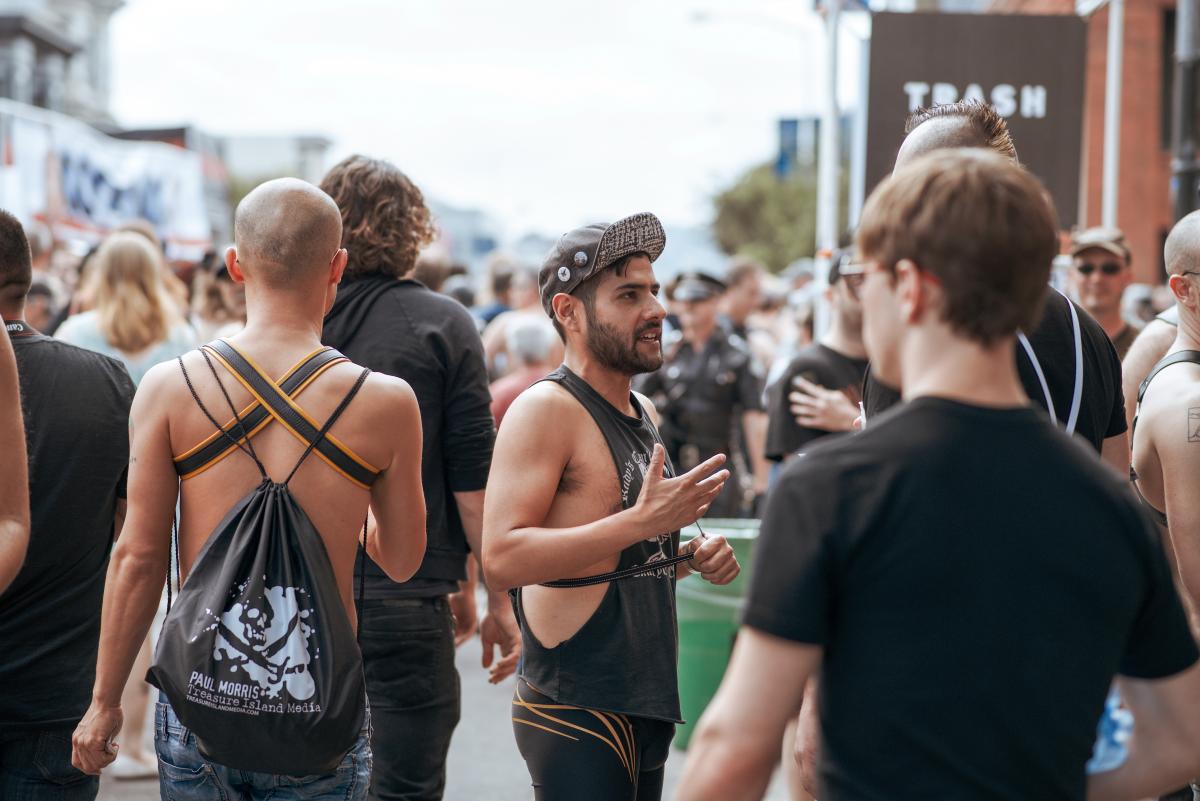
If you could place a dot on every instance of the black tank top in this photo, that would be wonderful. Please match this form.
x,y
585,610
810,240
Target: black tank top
x,y
624,657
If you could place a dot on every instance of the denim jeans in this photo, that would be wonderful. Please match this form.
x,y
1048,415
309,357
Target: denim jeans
x,y
413,687
185,775
35,765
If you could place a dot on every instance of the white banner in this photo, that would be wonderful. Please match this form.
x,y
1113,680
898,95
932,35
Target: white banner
x,y
81,183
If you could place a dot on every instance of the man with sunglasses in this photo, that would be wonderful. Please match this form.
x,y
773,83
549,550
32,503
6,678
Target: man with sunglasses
x,y
1100,274
818,393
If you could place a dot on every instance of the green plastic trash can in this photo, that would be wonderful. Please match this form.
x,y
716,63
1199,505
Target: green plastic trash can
x,y
708,621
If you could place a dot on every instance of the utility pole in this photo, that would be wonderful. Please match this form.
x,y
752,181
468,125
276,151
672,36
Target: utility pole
x,y
1112,113
1184,168
828,162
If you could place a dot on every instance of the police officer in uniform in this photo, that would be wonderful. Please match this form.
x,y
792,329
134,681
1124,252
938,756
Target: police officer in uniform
x,y
707,383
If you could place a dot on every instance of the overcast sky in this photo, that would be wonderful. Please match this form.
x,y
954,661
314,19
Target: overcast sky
x,y
545,113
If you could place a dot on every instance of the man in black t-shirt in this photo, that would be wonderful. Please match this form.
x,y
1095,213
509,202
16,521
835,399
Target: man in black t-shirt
x,y
930,568
76,407
1047,359
384,320
824,377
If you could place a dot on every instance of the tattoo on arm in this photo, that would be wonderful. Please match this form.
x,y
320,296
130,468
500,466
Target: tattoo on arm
x,y
1193,428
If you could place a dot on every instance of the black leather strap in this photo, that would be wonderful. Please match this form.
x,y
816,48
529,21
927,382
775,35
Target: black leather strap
x,y
268,393
1192,356
253,419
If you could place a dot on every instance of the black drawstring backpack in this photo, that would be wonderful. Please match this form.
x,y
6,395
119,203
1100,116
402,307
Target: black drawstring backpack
x,y
257,655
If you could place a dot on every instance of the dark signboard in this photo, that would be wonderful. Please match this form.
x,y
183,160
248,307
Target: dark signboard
x,y
1030,68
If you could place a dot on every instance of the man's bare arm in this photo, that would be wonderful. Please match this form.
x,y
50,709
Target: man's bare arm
x,y
754,423
1114,452
532,450
1164,752
1145,352
498,629
1179,456
14,477
737,742
396,541
138,567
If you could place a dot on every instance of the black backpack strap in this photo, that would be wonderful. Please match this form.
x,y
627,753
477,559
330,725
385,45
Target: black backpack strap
x,y
254,418
294,419
324,432
241,442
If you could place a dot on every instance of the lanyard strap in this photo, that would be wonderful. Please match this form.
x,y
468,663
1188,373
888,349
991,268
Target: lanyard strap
x,y
19,328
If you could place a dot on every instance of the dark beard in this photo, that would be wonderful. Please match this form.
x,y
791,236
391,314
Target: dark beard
x,y
612,351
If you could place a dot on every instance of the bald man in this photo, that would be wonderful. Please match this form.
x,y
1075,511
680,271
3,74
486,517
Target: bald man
x,y
1079,387
288,254
1166,442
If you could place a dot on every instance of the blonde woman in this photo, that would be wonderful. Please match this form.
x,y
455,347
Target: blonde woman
x,y
134,318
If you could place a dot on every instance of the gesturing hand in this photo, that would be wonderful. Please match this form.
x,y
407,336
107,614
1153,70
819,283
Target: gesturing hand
x,y
814,406
713,559
669,504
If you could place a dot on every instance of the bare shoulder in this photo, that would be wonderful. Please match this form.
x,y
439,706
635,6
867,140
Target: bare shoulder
x,y
545,415
388,389
1171,411
164,385
648,405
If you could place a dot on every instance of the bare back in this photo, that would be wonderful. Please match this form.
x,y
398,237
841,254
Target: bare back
x,y
336,505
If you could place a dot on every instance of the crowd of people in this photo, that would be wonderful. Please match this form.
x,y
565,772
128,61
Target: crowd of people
x,y
310,454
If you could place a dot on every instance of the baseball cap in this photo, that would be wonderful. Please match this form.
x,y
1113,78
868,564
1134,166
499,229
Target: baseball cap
x,y
582,252
1110,239
694,286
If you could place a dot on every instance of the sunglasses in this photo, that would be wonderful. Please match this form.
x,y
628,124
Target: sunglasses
x,y
1108,268
852,271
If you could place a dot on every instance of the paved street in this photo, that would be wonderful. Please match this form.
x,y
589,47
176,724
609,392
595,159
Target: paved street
x,y
484,763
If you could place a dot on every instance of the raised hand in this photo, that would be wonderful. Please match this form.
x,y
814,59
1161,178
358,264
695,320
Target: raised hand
x,y
814,406
669,504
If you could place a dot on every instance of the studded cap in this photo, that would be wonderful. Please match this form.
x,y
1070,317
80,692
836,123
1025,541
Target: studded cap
x,y
583,252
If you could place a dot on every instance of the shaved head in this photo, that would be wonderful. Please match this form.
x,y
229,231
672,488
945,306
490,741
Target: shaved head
x,y
286,230
954,125
1182,251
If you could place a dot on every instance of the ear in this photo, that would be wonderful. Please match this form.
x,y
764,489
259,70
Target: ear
x,y
911,292
1181,289
338,265
234,266
566,311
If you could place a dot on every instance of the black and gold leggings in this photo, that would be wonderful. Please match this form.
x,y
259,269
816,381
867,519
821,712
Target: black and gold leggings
x,y
578,754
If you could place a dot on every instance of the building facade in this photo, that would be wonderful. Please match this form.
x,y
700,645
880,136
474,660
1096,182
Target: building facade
x,y
54,54
1144,176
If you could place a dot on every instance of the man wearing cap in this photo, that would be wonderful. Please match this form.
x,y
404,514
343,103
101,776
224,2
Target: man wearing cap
x,y
1100,273
582,523
709,382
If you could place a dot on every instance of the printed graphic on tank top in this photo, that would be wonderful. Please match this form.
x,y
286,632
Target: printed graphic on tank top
x,y
635,626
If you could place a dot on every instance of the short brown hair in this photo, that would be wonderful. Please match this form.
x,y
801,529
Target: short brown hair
x,y
987,123
385,221
586,292
982,226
